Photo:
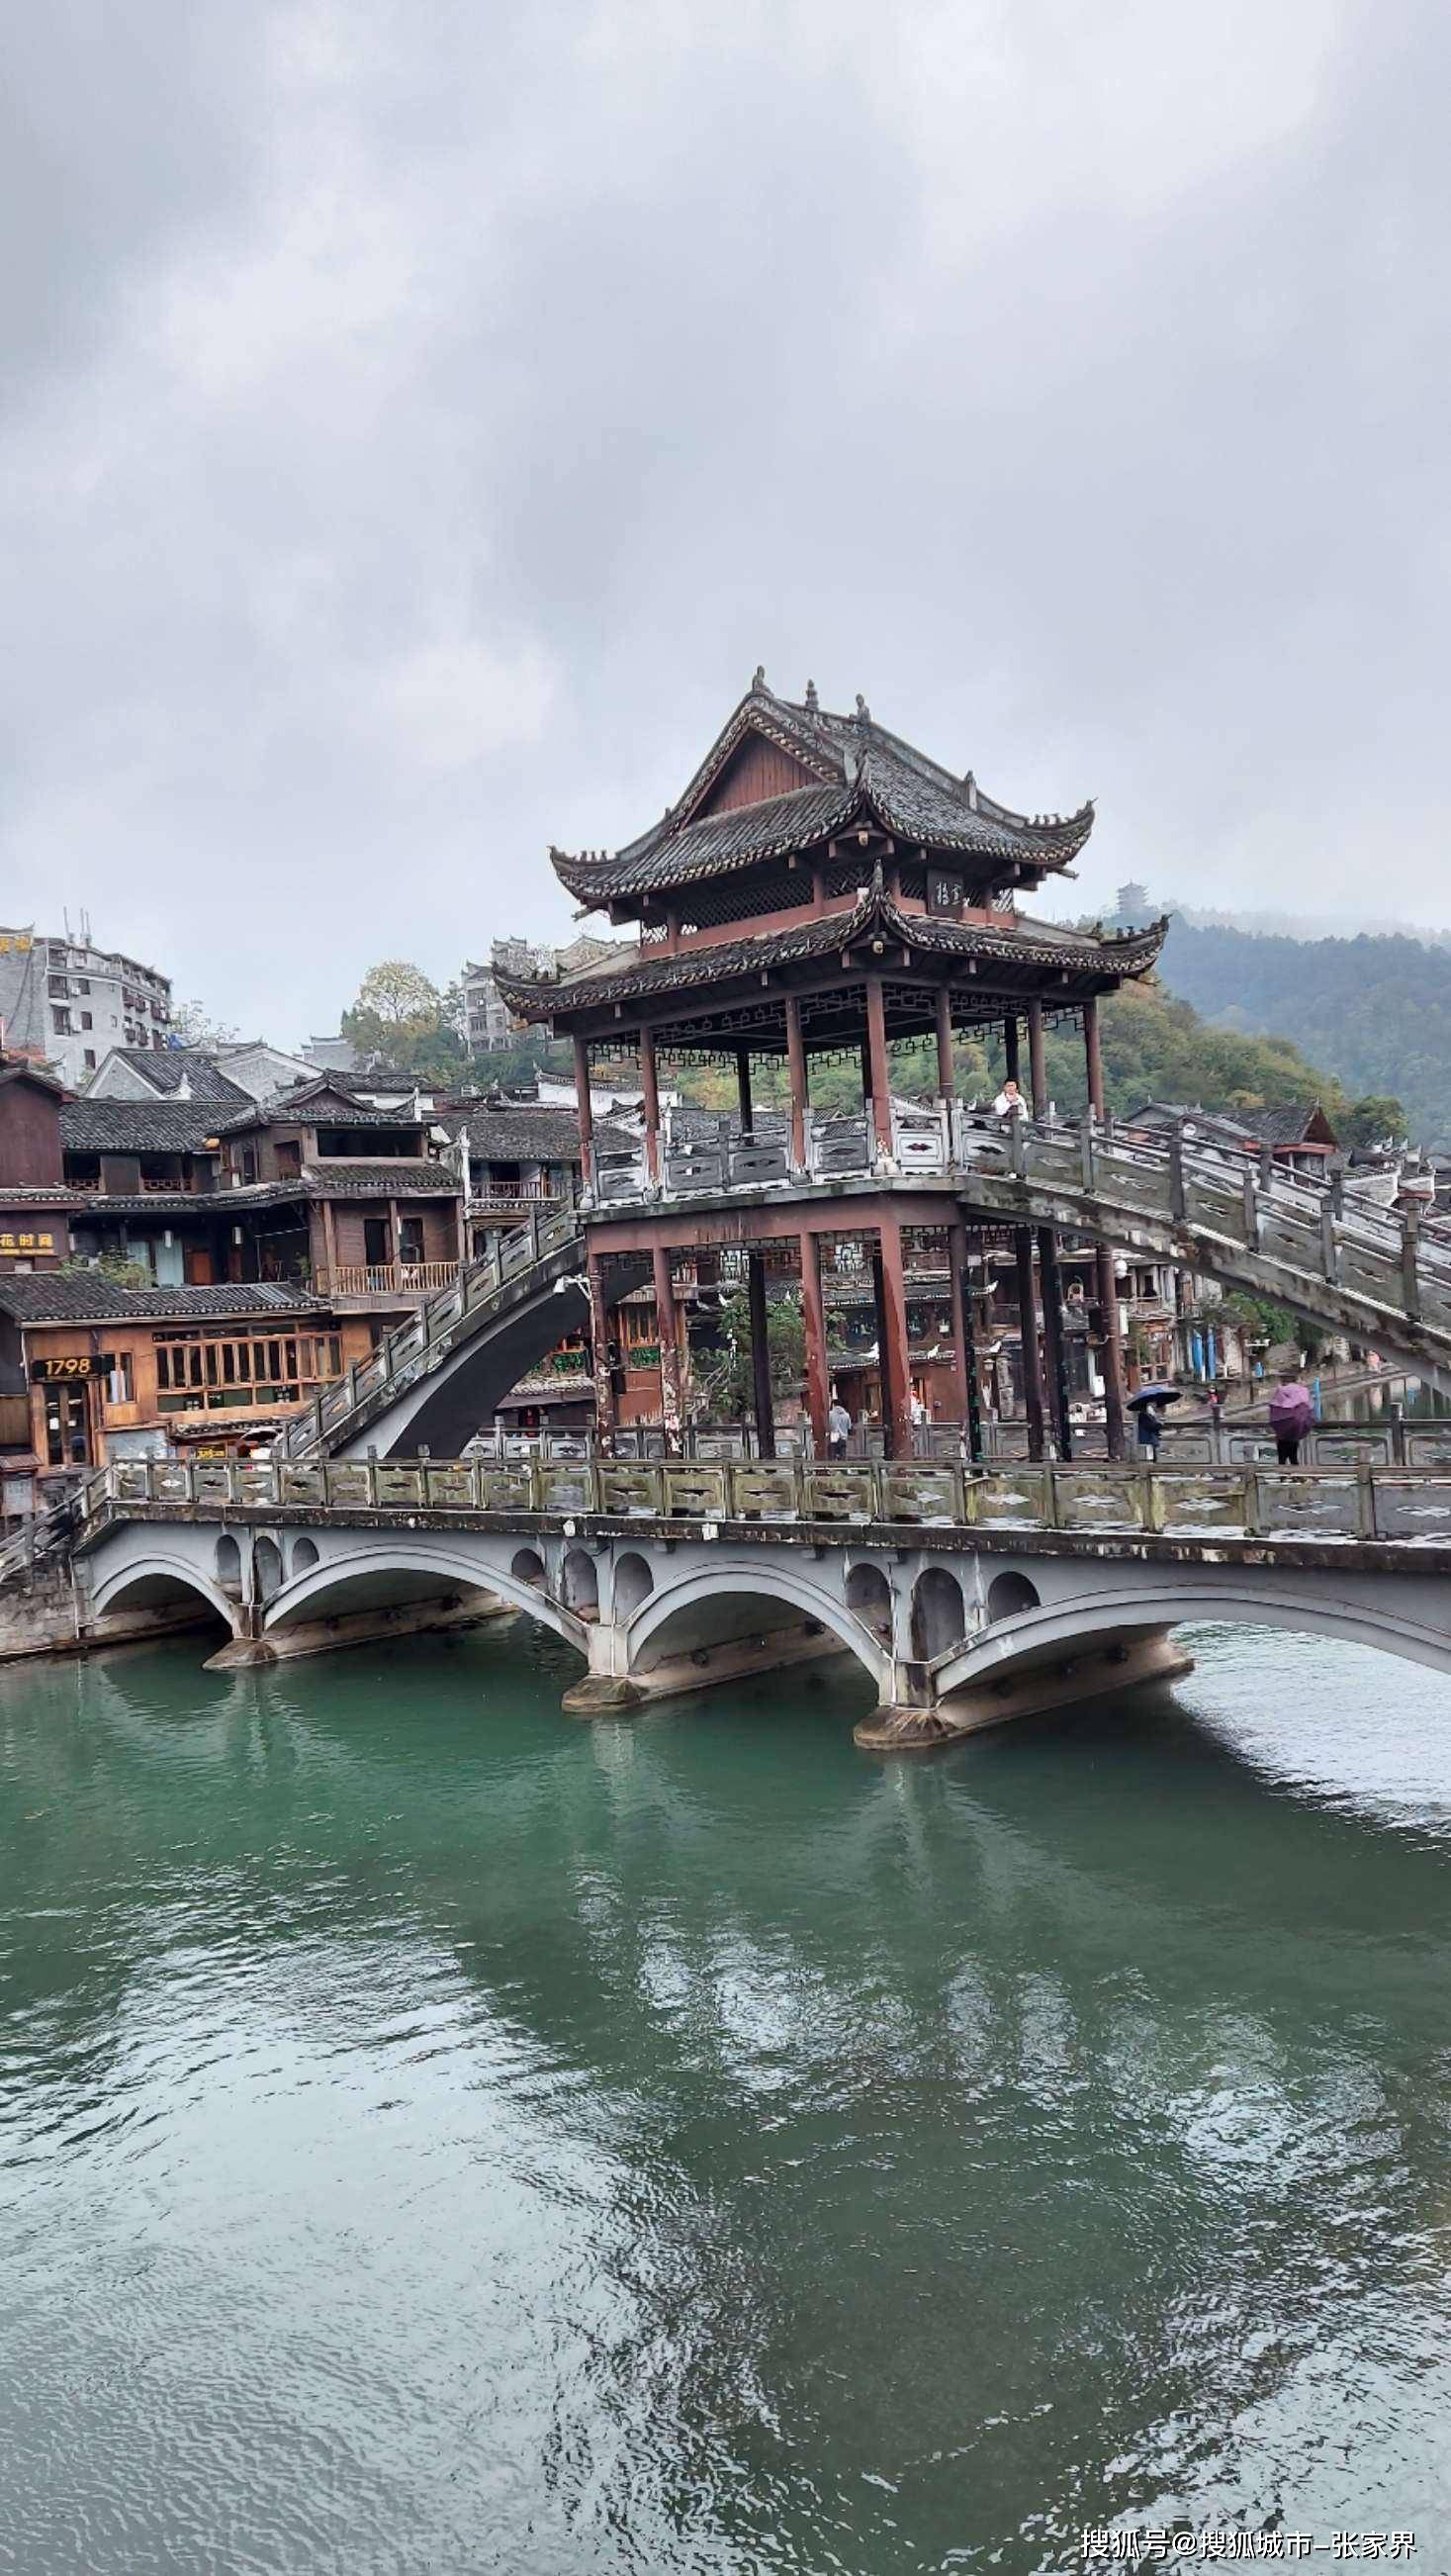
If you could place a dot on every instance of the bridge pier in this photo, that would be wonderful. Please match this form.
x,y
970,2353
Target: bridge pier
x,y
1103,1665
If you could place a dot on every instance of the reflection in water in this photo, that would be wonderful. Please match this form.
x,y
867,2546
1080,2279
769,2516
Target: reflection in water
x,y
437,2134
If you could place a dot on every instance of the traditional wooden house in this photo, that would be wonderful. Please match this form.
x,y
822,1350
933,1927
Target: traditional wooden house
x,y
36,1203
821,888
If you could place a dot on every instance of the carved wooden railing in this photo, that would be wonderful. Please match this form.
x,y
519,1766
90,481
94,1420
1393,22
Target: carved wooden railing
x,y
1345,1506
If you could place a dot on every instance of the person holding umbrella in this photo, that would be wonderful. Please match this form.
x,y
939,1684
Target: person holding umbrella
x,y
1292,1411
1148,1405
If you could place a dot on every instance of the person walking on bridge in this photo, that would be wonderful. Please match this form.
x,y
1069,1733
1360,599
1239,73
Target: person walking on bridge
x,y
1292,1411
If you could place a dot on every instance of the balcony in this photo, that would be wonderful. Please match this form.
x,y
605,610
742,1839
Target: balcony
x,y
389,1279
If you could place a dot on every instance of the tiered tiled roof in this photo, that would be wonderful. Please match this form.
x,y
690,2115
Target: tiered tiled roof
x,y
853,770
647,973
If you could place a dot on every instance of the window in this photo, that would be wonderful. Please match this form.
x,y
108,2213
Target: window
x,y
57,985
83,984
90,1059
249,1162
86,1019
410,1238
66,1443
121,1384
61,1023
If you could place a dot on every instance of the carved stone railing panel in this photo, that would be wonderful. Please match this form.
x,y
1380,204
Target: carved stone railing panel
x,y
1287,1504
926,1495
695,1489
1182,1504
1106,1498
631,1492
566,1485
763,1491
839,1493
449,1485
506,1485
1010,1497
1411,1508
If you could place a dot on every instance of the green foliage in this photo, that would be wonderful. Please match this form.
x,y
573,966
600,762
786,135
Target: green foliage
x,y
112,1266
1374,1119
1269,1323
402,1021
1376,1011
723,1373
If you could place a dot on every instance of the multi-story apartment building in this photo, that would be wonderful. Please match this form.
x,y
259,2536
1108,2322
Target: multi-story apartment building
x,y
69,1002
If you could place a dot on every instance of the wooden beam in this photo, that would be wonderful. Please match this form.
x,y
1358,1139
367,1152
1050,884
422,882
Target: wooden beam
x,y
586,1112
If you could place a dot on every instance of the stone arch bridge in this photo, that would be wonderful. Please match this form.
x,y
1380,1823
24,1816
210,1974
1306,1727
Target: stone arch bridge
x,y
966,1597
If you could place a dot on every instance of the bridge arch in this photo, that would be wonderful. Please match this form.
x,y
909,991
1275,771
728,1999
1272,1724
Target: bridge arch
x,y
1051,1628
155,1582
371,1578
712,1605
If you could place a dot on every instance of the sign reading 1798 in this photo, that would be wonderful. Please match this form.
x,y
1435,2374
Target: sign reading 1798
x,y
59,1371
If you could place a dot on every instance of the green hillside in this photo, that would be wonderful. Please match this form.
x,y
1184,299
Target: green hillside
x,y
1374,1011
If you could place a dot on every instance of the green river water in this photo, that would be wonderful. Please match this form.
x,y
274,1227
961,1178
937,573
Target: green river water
x,y
439,2134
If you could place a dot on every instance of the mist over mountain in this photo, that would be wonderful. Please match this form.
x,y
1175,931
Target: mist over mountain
x,y
1373,1009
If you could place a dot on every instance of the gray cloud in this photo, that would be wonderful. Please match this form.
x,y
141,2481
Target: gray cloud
x,y
420,421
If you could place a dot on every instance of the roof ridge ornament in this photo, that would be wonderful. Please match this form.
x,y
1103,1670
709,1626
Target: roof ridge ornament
x,y
813,703
758,681
863,711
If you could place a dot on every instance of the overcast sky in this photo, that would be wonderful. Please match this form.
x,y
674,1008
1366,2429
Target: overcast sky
x,y
419,416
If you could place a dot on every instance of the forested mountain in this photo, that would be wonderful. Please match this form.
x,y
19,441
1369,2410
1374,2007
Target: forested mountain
x,y
1374,1011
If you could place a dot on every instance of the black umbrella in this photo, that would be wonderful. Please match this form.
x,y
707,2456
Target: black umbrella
x,y
1155,1395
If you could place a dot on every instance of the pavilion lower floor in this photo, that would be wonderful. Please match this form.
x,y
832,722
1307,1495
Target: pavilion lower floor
x,y
890,1310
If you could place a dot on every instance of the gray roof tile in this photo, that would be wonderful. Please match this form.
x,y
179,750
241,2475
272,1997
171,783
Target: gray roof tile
x,y
87,1296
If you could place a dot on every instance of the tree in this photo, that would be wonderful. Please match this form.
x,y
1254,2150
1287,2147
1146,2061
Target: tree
x,y
402,1021
193,1025
1378,1119
724,1372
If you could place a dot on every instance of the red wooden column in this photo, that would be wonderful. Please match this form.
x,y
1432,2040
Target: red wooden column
x,y
796,1069
765,1410
813,1319
962,1339
667,1325
743,1090
586,1113
599,1345
877,1061
1037,1060
1113,1351
651,1089
943,1005
893,1353
1028,1327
